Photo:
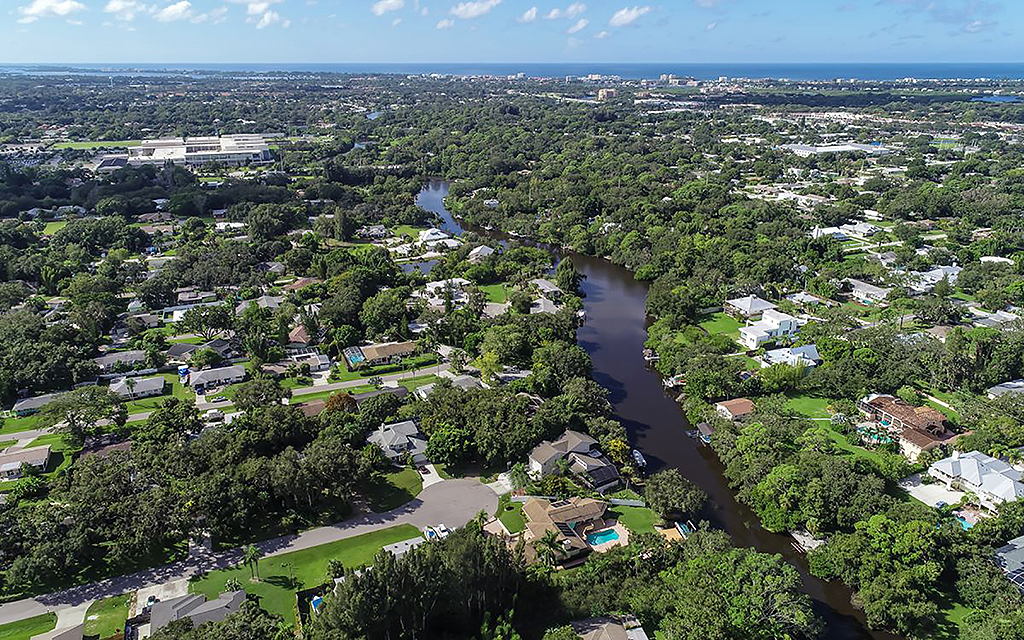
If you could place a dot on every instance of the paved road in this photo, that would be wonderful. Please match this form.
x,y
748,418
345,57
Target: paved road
x,y
452,503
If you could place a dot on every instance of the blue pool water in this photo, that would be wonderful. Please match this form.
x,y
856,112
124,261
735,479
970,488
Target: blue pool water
x,y
602,536
964,523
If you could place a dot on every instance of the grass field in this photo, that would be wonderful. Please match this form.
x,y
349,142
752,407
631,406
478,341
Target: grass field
x,y
100,144
721,323
413,233
14,425
809,406
6,443
511,514
178,390
110,616
54,226
844,444
495,293
25,629
636,519
281,576
394,490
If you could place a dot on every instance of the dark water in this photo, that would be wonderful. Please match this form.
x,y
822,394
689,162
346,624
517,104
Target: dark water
x,y
627,70
613,335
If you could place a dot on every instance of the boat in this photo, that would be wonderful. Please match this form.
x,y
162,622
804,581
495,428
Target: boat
x,y
650,355
639,458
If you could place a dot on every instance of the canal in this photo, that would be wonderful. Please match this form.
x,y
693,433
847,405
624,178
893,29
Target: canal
x,y
614,335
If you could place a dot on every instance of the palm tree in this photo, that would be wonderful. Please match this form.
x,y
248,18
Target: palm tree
x,y
548,547
518,476
252,558
129,382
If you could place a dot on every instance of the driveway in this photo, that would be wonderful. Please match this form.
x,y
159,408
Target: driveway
x,y
930,494
452,503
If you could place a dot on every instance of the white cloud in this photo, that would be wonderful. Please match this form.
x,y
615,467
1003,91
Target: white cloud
x,y
383,6
601,35
47,9
627,16
126,10
446,24
571,11
396,22
271,18
580,25
256,7
529,15
219,15
178,11
468,10
707,4
711,25
424,12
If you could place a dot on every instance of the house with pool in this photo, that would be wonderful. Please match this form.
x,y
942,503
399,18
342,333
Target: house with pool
x,y
579,524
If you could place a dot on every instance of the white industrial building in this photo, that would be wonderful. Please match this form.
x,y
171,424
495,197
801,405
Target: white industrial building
x,y
238,149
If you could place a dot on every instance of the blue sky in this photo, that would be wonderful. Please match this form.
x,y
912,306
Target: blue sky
x,y
512,31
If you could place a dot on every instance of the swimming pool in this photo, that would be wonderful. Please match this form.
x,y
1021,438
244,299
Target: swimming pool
x,y
965,523
602,537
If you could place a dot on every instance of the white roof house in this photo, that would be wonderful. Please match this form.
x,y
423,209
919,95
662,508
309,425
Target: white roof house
x,y
216,377
806,356
1012,387
138,387
867,292
828,232
399,439
773,324
748,306
479,253
992,480
432,235
926,280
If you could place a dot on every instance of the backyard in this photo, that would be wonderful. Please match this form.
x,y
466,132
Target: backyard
x,y
281,576
106,617
721,323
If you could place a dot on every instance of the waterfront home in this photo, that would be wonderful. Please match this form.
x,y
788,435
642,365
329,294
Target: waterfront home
x,y
543,459
774,324
547,289
918,429
747,307
479,254
11,461
400,439
867,293
1010,558
991,480
139,387
571,520
735,409
432,235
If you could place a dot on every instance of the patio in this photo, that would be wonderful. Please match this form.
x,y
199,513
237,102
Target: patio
x,y
608,538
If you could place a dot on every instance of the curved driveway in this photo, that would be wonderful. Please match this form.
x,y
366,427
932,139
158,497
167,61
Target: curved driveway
x,y
452,503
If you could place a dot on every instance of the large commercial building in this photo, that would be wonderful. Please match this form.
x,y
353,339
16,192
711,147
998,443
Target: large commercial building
x,y
239,149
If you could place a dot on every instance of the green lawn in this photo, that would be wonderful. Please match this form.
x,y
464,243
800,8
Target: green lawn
x,y
721,323
54,226
25,629
511,514
6,443
101,144
394,490
408,230
495,292
14,425
843,443
177,390
110,616
281,576
809,406
636,519
409,383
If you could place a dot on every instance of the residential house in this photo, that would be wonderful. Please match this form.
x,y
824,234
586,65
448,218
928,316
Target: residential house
x,y
867,293
543,305
463,382
380,353
747,307
735,409
12,461
804,356
479,254
399,392
120,359
584,459
571,520
547,289
774,324
139,387
1010,558
273,267
918,429
828,232
992,481
194,296
180,352
147,320
206,379
1012,387
432,235
804,299
400,439
195,607
925,281
437,293
610,628
263,302
399,549
372,232
299,284
28,406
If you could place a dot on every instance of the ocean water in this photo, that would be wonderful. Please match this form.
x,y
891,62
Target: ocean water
x,y
703,71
